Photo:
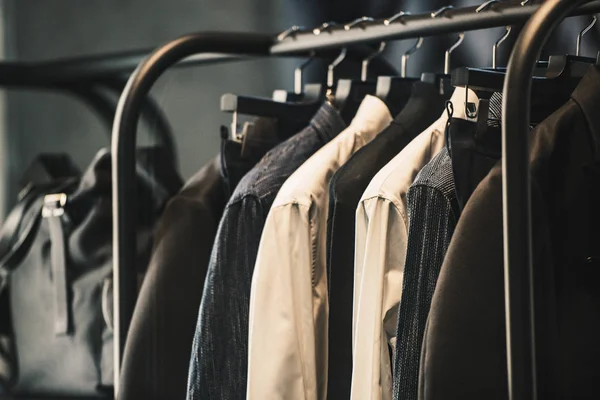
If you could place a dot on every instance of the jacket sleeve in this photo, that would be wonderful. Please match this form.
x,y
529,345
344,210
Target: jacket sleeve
x,y
381,236
282,354
431,225
156,359
218,366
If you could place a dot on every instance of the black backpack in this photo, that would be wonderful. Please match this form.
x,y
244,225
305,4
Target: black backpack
x,y
56,335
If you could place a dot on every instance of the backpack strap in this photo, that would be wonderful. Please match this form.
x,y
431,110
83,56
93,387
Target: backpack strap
x,y
17,233
20,227
53,211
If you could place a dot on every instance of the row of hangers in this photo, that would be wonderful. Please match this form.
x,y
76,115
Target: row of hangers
x,y
553,83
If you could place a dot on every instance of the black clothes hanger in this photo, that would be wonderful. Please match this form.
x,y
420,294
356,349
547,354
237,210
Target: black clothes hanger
x,y
300,108
297,106
349,93
475,146
443,81
393,90
263,107
551,88
311,92
549,92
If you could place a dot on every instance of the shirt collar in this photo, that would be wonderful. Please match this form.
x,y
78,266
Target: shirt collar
x,y
587,96
327,122
372,116
458,108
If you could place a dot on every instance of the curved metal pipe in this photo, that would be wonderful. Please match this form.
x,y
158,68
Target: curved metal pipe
x,y
97,101
518,267
154,115
105,107
123,165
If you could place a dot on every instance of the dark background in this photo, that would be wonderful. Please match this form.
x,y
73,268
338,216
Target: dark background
x,y
38,30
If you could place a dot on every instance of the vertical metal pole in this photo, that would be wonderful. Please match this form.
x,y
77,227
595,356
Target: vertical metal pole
x,y
123,160
518,262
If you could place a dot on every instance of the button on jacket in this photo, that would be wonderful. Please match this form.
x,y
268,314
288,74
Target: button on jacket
x,y
464,351
432,215
218,366
157,355
289,301
347,186
381,240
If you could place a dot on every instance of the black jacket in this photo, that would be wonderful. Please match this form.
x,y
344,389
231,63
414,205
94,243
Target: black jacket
x,y
464,350
346,188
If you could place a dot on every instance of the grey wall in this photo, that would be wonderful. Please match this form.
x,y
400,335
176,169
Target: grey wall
x,y
48,122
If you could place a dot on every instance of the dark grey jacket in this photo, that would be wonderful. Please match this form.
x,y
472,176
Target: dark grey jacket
x,y
219,361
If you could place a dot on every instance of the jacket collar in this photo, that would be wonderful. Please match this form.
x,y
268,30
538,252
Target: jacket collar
x,y
587,96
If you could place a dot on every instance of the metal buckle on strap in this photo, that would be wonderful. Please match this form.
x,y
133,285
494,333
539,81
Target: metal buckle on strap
x,y
54,205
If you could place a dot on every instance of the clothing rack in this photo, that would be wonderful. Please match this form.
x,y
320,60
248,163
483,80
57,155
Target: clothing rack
x,y
517,207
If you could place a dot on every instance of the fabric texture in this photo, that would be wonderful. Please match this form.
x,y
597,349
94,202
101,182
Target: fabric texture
x,y
432,216
289,300
346,188
380,250
159,343
464,349
218,366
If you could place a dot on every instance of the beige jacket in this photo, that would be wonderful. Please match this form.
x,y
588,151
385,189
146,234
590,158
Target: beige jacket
x,y
381,241
288,304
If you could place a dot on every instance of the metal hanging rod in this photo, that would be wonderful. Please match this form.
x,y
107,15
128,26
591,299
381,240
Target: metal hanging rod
x,y
86,69
418,25
101,67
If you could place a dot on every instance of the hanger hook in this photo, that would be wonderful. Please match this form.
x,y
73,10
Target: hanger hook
x,y
583,32
289,32
326,26
365,63
364,73
299,73
331,68
395,17
357,22
409,53
525,2
486,5
461,37
441,11
497,44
